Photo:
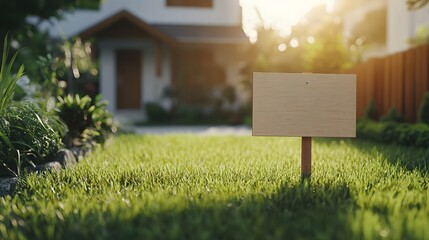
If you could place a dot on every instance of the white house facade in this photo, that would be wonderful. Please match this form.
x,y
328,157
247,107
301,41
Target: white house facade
x,y
148,47
401,24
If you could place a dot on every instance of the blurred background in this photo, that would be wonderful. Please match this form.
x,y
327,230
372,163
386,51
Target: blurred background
x,y
161,62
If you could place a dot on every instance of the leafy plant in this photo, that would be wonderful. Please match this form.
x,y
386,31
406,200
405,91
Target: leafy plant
x,y
391,132
87,119
423,115
27,137
392,116
188,114
248,121
7,79
156,113
371,111
416,4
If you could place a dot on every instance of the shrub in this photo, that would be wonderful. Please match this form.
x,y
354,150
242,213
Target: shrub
x,y
87,119
406,134
248,121
370,129
392,116
156,113
7,79
27,137
371,111
390,132
189,114
423,135
229,94
423,115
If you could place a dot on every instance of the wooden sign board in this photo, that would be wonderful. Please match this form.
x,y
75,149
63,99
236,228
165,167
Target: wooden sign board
x,y
304,105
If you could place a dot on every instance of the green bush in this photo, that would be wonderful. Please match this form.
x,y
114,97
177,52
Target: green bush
x,y
28,134
27,137
371,111
87,119
423,115
370,129
390,132
248,121
423,135
392,116
156,113
188,114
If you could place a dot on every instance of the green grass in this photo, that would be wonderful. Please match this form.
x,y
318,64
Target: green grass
x,y
189,187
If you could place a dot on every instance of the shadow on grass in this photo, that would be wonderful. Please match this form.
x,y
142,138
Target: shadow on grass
x,y
290,212
410,158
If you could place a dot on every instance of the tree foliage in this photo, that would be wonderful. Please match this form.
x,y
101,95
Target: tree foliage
x,y
44,59
371,29
416,4
315,45
345,5
13,14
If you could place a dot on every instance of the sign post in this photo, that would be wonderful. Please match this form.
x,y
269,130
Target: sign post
x,y
306,106
306,156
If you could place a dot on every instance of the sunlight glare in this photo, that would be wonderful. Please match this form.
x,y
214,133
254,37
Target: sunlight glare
x,y
294,43
282,47
280,15
311,40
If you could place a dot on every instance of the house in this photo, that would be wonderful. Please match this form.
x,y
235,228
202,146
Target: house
x,y
387,25
151,49
404,24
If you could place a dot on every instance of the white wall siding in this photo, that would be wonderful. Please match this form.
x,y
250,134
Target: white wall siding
x,y
108,77
402,24
398,29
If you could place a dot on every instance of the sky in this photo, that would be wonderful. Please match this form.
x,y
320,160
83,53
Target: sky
x,y
277,14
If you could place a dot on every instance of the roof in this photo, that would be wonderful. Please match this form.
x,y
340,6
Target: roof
x,y
129,17
171,34
206,34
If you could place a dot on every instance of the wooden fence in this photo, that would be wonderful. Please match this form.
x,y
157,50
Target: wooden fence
x,y
400,80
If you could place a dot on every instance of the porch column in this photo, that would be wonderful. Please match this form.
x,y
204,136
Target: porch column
x,y
107,76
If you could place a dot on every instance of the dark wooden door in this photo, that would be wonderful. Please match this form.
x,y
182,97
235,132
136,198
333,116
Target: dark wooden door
x,y
128,79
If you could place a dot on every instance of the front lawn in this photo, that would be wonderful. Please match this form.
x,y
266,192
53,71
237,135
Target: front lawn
x,y
195,187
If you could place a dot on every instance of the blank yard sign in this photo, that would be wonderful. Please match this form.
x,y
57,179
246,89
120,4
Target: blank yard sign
x,y
304,105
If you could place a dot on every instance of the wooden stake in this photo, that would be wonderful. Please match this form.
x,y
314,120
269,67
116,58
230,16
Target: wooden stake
x,y
306,157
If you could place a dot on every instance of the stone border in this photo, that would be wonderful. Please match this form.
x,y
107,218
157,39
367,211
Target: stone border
x,y
63,158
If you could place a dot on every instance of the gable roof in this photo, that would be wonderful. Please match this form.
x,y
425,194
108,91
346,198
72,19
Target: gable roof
x,y
129,17
168,33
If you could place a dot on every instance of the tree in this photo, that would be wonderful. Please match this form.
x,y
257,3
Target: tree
x,y
327,52
316,45
371,29
416,4
44,60
13,14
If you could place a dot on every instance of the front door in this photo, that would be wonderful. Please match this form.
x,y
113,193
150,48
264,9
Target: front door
x,y
128,79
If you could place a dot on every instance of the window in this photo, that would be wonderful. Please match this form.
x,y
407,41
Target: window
x,y
190,3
